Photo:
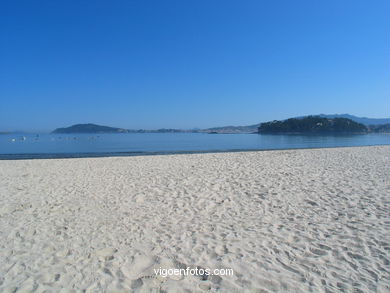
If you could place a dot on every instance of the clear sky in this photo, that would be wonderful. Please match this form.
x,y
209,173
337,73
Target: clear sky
x,y
184,64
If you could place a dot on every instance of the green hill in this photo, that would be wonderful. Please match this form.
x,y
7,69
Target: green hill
x,y
89,128
313,124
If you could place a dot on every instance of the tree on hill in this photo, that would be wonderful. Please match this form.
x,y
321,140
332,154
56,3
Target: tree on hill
x,y
312,124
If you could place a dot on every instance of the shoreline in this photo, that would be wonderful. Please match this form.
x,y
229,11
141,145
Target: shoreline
x,y
49,156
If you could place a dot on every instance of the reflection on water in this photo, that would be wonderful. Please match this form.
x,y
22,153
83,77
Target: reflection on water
x,y
173,142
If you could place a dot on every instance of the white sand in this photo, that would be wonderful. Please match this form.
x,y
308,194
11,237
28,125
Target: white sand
x,y
284,221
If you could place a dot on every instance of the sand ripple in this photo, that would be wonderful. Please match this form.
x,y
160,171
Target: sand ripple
x,y
284,221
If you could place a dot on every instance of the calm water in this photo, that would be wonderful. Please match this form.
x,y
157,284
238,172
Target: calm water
x,y
50,145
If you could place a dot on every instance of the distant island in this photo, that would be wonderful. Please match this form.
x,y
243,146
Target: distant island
x,y
334,123
94,128
372,124
89,128
313,124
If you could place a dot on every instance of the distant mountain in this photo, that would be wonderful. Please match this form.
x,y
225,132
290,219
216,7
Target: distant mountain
x,y
89,128
313,124
362,120
93,128
380,128
231,129
253,128
162,130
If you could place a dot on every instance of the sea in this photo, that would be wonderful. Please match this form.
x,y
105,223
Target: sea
x,y
33,146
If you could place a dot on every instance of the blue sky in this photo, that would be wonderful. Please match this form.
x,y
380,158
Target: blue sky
x,y
184,64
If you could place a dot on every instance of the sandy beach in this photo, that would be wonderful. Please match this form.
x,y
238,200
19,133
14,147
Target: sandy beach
x,y
284,221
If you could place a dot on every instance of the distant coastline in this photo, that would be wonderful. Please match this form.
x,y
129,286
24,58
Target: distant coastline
x,y
380,125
